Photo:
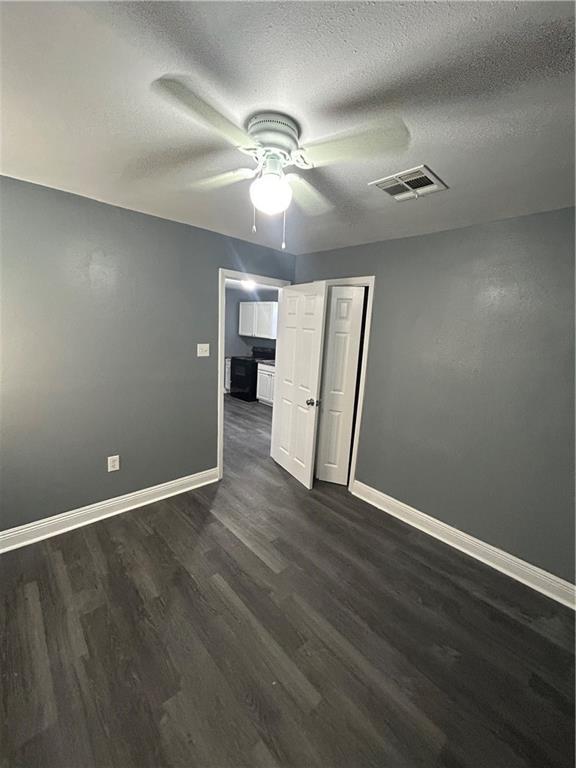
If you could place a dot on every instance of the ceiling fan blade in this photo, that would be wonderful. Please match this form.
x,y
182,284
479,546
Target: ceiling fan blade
x,y
373,141
177,90
223,179
308,197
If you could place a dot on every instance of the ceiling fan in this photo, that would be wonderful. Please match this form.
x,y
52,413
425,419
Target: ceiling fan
x,y
272,141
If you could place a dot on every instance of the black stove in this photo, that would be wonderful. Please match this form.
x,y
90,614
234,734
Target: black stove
x,y
244,372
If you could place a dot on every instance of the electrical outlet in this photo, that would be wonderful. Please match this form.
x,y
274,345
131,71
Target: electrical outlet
x,y
113,463
202,350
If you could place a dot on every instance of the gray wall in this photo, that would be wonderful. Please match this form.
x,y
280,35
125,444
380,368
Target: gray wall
x,y
102,309
235,344
469,409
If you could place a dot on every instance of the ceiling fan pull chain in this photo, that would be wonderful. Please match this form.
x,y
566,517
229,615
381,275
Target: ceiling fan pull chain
x,y
253,218
284,231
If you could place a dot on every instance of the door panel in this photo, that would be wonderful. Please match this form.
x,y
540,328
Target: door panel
x,y
300,434
332,422
340,372
298,365
341,348
288,374
285,426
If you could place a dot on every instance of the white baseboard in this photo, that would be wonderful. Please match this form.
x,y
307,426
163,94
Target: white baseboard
x,y
66,521
537,578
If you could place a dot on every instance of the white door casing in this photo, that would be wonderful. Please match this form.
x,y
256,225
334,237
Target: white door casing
x,y
297,381
339,379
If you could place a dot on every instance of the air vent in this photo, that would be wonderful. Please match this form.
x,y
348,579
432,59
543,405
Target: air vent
x,y
410,184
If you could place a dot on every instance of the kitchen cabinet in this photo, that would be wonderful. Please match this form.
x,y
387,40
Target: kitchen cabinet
x,y
266,319
258,318
247,319
265,384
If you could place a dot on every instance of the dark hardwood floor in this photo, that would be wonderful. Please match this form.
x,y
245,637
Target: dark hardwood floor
x,y
252,623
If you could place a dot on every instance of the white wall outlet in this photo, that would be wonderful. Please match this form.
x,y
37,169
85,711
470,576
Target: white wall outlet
x,y
202,350
113,463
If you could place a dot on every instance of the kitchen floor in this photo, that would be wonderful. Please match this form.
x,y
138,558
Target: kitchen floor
x,y
254,623
243,419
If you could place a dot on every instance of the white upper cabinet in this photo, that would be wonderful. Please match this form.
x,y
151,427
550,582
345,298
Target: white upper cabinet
x,y
258,318
266,319
247,321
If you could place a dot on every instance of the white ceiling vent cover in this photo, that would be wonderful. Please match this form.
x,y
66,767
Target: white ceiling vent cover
x,y
410,184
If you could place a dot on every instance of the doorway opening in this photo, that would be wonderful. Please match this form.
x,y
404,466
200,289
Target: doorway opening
x,y
248,306
313,368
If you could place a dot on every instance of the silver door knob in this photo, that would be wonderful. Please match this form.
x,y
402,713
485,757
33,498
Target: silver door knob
x,y
310,401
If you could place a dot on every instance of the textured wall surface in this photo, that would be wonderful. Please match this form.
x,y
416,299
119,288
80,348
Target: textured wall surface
x,y
102,309
469,409
234,344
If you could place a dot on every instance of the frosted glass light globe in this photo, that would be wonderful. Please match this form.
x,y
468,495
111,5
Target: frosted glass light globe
x,y
271,193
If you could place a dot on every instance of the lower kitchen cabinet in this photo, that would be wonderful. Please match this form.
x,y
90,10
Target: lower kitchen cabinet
x,y
265,384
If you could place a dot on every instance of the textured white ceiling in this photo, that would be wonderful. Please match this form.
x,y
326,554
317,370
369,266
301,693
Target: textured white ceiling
x,y
486,90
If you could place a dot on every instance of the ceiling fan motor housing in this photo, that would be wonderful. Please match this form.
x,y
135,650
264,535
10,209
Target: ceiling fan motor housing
x,y
274,131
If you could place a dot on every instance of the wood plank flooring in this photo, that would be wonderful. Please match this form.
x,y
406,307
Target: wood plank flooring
x,y
254,624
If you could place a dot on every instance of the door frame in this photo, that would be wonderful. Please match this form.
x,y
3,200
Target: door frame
x,y
365,282
223,275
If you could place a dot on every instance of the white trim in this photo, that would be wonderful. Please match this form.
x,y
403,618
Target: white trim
x,y
223,275
366,282
75,518
537,578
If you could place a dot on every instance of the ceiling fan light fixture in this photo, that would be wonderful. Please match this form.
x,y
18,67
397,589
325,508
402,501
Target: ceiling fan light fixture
x,y
271,193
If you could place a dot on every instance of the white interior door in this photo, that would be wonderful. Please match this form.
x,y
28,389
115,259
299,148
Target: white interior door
x,y
339,377
298,368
